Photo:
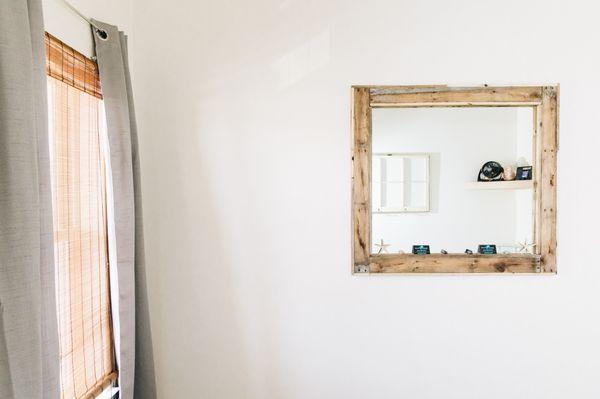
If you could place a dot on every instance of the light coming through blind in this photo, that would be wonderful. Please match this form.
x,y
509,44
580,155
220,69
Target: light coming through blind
x,y
77,142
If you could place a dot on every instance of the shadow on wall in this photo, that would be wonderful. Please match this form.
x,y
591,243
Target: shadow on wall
x,y
193,294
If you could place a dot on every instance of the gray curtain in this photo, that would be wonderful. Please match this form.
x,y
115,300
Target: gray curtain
x,y
29,362
134,341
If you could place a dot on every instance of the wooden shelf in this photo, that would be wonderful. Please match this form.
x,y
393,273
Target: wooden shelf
x,y
500,185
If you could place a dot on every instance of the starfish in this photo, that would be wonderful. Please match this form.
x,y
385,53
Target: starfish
x,y
526,246
382,247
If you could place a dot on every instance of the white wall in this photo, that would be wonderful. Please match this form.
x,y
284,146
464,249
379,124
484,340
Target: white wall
x,y
61,22
244,121
459,141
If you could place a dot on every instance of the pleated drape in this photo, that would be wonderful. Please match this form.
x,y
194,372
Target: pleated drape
x,y
133,340
29,361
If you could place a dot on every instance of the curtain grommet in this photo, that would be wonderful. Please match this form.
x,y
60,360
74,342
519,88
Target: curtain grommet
x,y
101,33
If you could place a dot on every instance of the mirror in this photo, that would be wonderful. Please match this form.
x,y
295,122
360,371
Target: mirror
x,y
424,188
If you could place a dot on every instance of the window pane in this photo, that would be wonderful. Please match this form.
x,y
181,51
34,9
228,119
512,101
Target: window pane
x,y
418,168
416,195
393,195
394,169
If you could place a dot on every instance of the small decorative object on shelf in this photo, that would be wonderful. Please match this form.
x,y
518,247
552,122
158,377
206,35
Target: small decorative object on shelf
x,y
468,251
382,247
444,252
510,172
490,171
421,250
525,246
524,173
486,249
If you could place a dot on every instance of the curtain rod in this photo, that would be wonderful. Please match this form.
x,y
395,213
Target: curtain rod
x,y
101,32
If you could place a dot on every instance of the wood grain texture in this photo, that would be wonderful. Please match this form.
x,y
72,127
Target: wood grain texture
x,y
547,178
455,96
454,263
361,176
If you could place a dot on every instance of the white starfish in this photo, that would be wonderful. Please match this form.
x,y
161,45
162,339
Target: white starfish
x,y
382,247
526,246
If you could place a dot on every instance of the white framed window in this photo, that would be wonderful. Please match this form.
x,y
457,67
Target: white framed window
x,y
400,183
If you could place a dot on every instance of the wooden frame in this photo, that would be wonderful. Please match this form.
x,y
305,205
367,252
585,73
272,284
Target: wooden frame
x,y
543,99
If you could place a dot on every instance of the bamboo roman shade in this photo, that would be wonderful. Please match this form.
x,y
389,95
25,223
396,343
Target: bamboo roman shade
x,y
67,65
77,145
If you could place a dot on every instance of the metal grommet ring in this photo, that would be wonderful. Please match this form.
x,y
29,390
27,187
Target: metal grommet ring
x,y
102,34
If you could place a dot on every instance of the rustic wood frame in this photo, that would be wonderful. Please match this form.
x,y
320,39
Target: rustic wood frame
x,y
545,103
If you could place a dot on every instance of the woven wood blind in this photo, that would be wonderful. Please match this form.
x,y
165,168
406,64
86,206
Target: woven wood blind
x,y
69,66
77,134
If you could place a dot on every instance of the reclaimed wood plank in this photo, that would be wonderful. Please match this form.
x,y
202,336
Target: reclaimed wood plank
x,y
460,96
361,176
548,184
454,263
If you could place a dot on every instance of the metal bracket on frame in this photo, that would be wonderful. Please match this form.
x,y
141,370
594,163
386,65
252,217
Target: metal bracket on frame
x,y
538,265
360,269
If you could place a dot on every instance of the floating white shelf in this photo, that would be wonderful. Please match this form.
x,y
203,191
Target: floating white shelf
x,y
500,185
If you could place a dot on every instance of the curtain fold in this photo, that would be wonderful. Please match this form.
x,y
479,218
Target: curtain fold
x,y
133,340
29,362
